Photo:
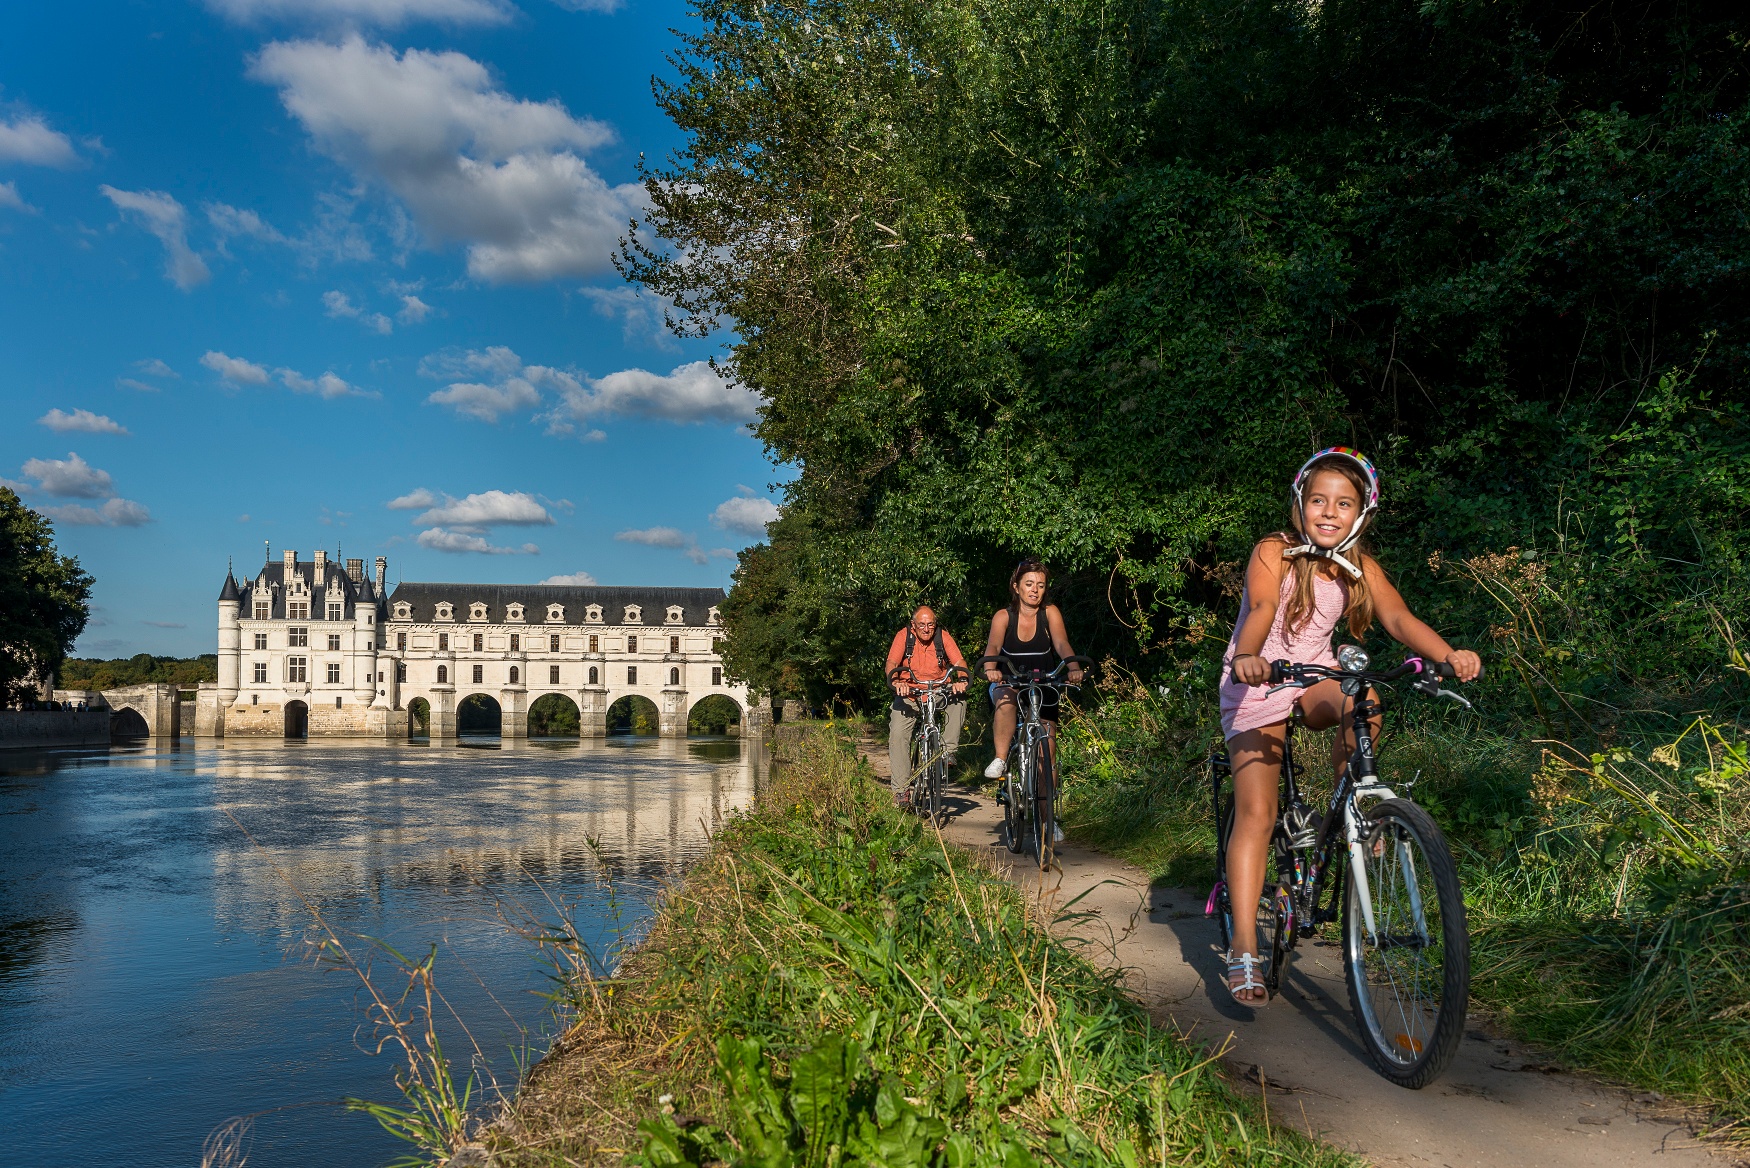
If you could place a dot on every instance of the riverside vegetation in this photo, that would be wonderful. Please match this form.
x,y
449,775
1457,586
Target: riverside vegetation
x,y
834,985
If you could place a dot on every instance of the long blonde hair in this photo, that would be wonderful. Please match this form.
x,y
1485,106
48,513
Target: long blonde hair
x,y
1358,598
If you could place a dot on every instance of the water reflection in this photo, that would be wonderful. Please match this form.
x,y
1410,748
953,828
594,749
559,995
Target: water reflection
x,y
148,900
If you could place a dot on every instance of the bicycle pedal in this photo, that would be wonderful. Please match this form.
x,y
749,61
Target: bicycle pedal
x,y
1002,796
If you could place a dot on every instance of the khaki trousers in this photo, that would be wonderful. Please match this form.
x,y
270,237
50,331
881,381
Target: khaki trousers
x,y
899,730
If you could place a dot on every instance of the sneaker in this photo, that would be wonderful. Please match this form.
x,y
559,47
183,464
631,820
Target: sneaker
x,y
997,768
1056,834
903,799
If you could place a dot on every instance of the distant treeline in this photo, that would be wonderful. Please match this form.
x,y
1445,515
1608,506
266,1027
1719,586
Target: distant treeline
x,y
140,669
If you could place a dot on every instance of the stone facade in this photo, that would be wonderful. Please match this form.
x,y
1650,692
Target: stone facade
x,y
314,648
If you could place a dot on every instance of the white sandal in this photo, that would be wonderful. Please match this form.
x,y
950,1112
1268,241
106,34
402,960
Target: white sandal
x,y
1247,966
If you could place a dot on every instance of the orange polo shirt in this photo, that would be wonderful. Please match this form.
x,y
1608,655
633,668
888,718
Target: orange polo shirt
x,y
923,661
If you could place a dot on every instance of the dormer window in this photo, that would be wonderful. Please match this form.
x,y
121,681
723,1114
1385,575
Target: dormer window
x,y
713,617
403,610
445,611
593,614
556,612
513,612
477,611
675,615
633,615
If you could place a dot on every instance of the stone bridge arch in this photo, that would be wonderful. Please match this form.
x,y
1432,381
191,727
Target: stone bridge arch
x,y
158,706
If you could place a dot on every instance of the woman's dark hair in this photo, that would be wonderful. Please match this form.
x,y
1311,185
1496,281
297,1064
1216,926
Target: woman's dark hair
x,y
1030,564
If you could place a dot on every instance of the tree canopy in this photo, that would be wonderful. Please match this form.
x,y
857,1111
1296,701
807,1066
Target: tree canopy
x,y
43,600
1089,280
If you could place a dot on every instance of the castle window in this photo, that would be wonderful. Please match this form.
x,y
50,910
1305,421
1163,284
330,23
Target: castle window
x,y
334,673
295,667
592,676
255,699
443,675
334,611
514,675
516,643
261,673
477,611
674,677
716,675
263,610
445,611
403,611
674,644
261,640
631,644
631,675
553,643
337,703
675,615
713,617
633,615
334,642
595,644
479,642
552,675
555,612
513,612
297,638
593,614
479,674
297,610
401,642
400,671
443,642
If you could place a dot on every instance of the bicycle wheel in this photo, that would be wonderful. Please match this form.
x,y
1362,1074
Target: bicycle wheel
x,y
1044,840
1014,802
938,777
1409,981
1269,919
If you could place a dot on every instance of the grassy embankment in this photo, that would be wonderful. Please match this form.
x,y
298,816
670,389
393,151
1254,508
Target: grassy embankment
x,y
835,986
1609,894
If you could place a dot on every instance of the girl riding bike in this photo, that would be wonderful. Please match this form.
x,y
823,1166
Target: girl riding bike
x,y
1298,587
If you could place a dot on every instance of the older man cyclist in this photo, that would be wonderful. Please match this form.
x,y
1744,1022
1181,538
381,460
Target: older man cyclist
x,y
927,652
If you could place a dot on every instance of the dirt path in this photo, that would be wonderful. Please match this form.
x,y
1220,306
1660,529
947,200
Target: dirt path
x,y
1496,1105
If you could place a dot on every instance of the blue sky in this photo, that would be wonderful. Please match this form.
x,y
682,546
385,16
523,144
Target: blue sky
x,y
336,273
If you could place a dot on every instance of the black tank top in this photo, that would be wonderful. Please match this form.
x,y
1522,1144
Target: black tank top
x,y
1037,652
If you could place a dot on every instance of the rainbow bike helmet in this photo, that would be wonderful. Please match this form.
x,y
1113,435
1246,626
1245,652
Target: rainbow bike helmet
x,y
1335,555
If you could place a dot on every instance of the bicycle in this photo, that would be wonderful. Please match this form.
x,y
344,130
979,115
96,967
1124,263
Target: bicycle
x,y
1029,791
928,755
1406,956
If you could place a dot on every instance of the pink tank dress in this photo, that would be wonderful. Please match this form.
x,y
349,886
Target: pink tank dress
x,y
1246,707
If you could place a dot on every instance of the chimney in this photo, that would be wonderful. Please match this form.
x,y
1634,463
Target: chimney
x,y
321,558
291,567
355,571
382,570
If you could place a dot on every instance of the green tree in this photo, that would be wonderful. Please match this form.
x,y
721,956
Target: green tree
x,y
44,598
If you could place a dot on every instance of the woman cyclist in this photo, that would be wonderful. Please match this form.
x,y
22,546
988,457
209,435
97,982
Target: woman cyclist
x,y
1298,587
1030,634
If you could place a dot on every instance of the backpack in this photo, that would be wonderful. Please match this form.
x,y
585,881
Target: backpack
x,y
911,641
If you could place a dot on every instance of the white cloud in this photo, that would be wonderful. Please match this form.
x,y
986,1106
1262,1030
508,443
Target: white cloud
x,y
413,310
473,164
417,499
72,478
693,392
640,313
496,362
575,579
745,515
381,13
231,222
673,538
606,7
235,369
11,200
487,402
153,367
327,385
131,383
82,421
114,513
439,540
27,138
164,624
338,305
166,218
484,510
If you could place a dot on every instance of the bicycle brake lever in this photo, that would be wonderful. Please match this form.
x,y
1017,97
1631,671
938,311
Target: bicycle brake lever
x,y
1459,698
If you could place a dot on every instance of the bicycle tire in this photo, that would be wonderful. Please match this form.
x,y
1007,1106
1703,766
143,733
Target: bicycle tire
x,y
1044,805
1014,813
938,778
1269,932
1410,1011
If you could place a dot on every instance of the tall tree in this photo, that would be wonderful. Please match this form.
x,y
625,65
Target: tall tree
x,y
44,600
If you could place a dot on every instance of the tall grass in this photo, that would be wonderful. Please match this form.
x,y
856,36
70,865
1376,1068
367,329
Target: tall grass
x,y
835,985
1608,892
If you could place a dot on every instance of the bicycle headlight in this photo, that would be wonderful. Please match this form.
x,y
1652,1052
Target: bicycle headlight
x,y
1351,658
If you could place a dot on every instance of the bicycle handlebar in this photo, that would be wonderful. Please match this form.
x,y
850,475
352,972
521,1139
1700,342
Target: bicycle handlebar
x,y
1013,676
1286,674
912,678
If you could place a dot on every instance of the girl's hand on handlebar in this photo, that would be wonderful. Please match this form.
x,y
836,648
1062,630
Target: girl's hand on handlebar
x,y
1251,669
1466,664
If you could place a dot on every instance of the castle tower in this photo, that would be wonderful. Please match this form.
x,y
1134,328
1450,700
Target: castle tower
x,y
230,640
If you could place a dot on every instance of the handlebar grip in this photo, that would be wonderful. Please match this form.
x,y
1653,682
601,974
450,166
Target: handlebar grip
x,y
1445,671
1279,671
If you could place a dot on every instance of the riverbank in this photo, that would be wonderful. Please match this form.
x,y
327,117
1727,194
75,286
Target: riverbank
x,y
836,985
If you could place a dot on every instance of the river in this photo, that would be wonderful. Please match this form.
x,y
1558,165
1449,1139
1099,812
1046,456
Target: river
x,y
155,979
